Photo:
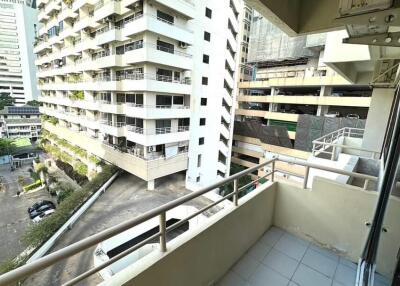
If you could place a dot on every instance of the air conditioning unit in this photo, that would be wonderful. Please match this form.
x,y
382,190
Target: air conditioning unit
x,y
183,45
86,30
356,7
151,148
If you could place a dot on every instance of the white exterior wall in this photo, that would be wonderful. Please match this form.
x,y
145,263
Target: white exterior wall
x,y
97,115
18,24
207,173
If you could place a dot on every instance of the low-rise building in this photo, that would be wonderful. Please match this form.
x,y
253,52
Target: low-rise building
x,y
20,122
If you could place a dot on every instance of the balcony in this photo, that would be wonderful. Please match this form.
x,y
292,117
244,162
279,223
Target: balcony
x,y
275,234
146,169
149,22
157,111
116,129
157,136
184,7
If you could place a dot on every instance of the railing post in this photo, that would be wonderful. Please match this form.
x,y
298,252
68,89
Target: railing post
x,y
273,171
333,153
163,233
305,181
366,181
235,192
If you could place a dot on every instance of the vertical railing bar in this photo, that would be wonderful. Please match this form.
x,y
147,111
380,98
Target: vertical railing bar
x,y
235,192
163,240
305,181
273,171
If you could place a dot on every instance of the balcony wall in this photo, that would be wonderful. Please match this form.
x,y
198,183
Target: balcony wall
x,y
331,214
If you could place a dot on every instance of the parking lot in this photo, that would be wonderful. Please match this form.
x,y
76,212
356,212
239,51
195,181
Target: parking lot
x,y
13,211
126,198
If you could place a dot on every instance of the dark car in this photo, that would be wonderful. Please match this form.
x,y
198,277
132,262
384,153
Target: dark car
x,y
40,204
40,210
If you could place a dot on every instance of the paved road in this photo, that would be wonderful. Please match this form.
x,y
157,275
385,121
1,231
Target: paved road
x,y
13,212
126,198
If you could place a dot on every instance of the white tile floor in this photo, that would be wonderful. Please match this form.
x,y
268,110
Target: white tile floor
x,y
281,259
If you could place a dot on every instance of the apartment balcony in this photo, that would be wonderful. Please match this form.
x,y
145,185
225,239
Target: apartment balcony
x,y
110,107
223,148
157,136
67,13
232,41
184,7
109,35
116,129
146,169
40,3
102,61
148,22
225,131
52,6
148,52
234,20
105,8
42,16
229,79
78,4
230,60
227,97
157,111
226,115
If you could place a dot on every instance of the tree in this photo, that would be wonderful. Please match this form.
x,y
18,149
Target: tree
x,y
33,103
7,147
6,100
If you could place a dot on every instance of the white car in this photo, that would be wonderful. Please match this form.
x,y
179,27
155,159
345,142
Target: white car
x,y
40,217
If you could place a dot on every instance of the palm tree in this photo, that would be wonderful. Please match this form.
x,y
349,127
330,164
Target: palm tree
x,y
43,172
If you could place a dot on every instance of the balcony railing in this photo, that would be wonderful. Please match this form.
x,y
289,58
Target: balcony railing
x,y
157,131
333,142
91,241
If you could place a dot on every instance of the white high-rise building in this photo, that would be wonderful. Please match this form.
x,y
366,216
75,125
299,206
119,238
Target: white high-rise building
x,y
145,85
18,24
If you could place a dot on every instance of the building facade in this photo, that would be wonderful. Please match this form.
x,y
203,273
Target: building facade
x,y
291,81
145,85
20,122
18,28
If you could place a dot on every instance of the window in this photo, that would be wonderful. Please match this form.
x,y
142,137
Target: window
x,y
208,13
198,179
165,17
163,126
206,59
204,80
165,47
202,121
203,101
207,36
199,160
178,100
201,141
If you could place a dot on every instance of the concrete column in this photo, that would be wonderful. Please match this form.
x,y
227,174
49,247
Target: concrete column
x,y
273,107
151,185
323,109
378,117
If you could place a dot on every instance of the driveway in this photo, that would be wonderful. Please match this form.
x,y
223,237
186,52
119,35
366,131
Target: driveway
x,y
126,198
13,211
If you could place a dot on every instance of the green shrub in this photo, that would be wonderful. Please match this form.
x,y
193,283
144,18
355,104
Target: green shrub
x,y
96,160
12,263
40,167
53,120
32,186
77,95
81,168
63,194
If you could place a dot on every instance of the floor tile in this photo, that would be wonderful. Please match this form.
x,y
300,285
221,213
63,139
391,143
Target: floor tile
x,y
281,263
348,263
326,252
305,276
272,236
246,266
259,250
292,247
264,276
345,275
231,279
320,262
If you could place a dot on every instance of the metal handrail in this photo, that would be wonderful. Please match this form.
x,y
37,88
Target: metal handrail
x,y
320,145
52,258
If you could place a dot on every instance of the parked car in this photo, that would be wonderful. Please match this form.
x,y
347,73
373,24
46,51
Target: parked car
x,y
40,204
40,210
43,215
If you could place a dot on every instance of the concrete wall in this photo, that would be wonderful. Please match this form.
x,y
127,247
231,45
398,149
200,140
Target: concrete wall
x,y
203,256
334,215
378,116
